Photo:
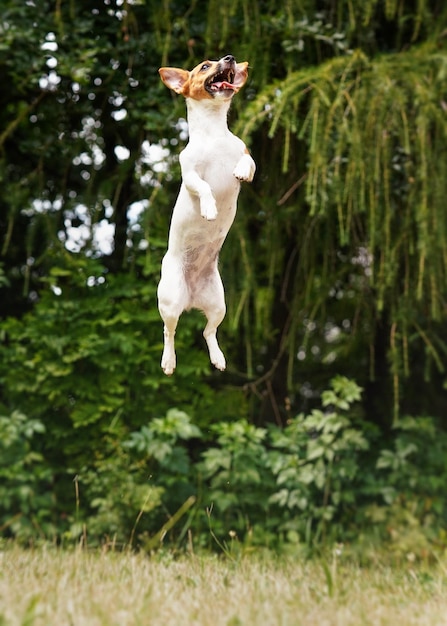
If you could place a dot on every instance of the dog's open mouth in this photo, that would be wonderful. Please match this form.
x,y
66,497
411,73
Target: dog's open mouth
x,y
221,81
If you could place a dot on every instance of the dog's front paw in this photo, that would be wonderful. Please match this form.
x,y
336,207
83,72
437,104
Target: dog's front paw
x,y
242,175
245,169
208,209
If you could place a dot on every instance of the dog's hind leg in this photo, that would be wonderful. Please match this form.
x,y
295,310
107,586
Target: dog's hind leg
x,y
168,359
212,303
172,298
217,357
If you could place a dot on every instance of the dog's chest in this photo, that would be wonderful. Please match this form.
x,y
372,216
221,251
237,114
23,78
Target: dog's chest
x,y
216,160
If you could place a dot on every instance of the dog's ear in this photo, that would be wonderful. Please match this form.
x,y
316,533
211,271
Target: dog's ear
x,y
174,78
241,74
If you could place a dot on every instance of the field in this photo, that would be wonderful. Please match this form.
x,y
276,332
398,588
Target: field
x,y
46,587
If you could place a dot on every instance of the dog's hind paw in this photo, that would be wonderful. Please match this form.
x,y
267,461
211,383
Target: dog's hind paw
x,y
218,360
168,363
217,357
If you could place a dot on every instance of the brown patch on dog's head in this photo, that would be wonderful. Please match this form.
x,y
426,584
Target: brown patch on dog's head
x,y
208,80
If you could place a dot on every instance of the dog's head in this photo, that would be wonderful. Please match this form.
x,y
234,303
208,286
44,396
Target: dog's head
x,y
213,80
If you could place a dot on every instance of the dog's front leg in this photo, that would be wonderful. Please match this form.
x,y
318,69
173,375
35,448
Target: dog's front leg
x,y
198,187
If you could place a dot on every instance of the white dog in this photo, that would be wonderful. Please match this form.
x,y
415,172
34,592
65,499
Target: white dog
x,y
213,163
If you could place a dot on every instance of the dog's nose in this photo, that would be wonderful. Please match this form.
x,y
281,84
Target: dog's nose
x,y
229,58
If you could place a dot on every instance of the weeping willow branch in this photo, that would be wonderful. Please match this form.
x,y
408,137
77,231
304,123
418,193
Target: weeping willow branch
x,y
374,133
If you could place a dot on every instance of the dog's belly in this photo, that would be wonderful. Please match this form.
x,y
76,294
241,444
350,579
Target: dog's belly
x,y
200,265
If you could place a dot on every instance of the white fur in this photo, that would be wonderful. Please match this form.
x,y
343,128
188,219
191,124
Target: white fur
x,y
212,164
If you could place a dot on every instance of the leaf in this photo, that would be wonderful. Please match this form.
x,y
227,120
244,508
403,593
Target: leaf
x,y
315,451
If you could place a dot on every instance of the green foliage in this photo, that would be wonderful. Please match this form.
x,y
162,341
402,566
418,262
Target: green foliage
x,y
372,130
163,443
412,512
111,494
343,113
85,365
25,478
291,481
325,477
130,489
336,264
317,462
236,469
158,438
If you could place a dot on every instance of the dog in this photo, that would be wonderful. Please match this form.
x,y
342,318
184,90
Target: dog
x,y
213,164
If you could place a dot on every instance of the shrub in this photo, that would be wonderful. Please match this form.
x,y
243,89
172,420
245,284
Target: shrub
x,y
325,477
26,502
316,461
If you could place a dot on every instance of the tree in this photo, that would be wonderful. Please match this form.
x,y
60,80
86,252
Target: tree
x,y
373,132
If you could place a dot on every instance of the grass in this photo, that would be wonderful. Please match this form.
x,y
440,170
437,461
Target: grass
x,y
46,587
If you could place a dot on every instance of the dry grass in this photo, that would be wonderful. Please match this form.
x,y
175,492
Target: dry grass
x,y
47,587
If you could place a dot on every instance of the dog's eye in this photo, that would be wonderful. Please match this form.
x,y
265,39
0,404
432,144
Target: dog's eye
x,y
204,67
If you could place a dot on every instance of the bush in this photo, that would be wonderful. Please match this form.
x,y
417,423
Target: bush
x,y
410,508
316,461
325,477
26,501
288,484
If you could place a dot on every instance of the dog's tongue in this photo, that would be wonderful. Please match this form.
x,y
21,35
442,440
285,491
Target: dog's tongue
x,y
223,85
